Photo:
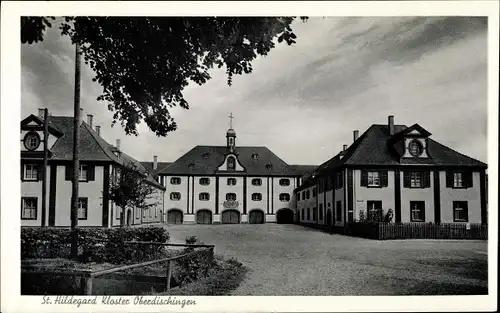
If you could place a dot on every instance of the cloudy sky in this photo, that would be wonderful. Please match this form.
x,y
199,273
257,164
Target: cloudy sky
x,y
304,101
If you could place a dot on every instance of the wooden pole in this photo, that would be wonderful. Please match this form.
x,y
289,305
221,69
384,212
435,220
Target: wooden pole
x,y
169,274
76,157
45,164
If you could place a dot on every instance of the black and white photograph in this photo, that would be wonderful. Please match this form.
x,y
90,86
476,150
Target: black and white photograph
x,y
169,158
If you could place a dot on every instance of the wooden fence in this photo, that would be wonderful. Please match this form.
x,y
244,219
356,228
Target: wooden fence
x,y
86,277
384,231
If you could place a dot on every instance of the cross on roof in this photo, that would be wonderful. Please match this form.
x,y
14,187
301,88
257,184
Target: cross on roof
x,y
231,120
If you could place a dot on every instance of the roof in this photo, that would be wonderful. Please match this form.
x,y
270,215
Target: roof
x,y
205,160
92,146
304,169
376,147
160,166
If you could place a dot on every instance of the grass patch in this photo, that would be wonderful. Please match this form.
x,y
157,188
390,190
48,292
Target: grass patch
x,y
221,279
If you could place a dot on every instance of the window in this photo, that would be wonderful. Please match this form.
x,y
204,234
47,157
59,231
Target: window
x,y
415,148
83,173
83,205
417,211
308,213
338,180
303,214
315,214
321,211
32,141
269,166
230,164
255,156
206,155
205,181
137,213
143,213
204,196
256,182
230,197
415,179
284,182
460,211
284,197
29,208
373,179
458,181
175,196
256,197
374,210
298,196
231,181
315,192
308,194
175,181
338,210
321,186
303,195
150,212
191,165
30,172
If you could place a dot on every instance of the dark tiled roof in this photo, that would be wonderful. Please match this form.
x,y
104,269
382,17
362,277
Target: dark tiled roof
x,y
303,170
92,146
160,167
205,160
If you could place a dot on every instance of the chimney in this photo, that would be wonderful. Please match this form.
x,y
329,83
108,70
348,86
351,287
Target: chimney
x,y
344,148
118,142
90,118
356,134
41,113
155,162
391,125
98,130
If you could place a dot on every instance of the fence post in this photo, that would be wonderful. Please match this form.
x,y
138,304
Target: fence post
x,y
169,273
86,285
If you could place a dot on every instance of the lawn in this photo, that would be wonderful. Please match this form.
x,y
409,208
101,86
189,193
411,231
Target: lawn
x,y
294,260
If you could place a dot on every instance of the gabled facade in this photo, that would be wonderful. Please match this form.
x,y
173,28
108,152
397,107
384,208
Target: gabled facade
x,y
229,184
400,173
99,162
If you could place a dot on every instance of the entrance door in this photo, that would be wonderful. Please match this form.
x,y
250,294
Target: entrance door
x,y
129,217
174,217
230,217
329,218
256,217
204,217
284,216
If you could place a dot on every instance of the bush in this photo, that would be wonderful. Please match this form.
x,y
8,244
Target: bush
x,y
95,244
193,267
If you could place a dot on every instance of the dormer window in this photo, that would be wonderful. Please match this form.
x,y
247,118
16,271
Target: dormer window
x,y
269,166
415,148
231,164
255,156
32,141
191,165
206,155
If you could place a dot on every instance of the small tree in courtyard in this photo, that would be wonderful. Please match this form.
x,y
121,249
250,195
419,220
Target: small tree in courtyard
x,y
130,189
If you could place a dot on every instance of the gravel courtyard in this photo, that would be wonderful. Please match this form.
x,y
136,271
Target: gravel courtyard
x,y
288,260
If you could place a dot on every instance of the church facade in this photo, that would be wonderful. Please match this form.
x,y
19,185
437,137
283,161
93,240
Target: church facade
x,y
229,184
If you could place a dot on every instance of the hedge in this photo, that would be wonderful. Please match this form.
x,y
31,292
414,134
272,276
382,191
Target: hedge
x,y
95,244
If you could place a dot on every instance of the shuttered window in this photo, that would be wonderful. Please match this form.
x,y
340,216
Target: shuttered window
x,y
374,179
459,179
416,179
86,173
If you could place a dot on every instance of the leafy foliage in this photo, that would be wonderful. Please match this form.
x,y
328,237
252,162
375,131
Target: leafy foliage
x,y
129,188
95,244
193,267
144,63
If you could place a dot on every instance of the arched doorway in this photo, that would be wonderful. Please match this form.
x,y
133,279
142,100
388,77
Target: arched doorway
x,y
174,216
284,216
256,217
204,217
329,218
230,217
129,217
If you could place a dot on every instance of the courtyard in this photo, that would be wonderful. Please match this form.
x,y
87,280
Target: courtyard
x,y
286,260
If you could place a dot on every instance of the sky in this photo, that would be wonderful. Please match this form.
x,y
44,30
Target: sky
x,y
304,101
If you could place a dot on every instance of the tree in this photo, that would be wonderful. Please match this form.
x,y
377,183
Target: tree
x,y
129,189
144,63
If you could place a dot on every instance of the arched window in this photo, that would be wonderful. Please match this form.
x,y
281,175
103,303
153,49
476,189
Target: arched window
x,y
204,196
231,163
256,197
256,182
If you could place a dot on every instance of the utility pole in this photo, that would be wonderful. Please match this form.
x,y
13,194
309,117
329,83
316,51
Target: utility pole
x,y
45,164
76,156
